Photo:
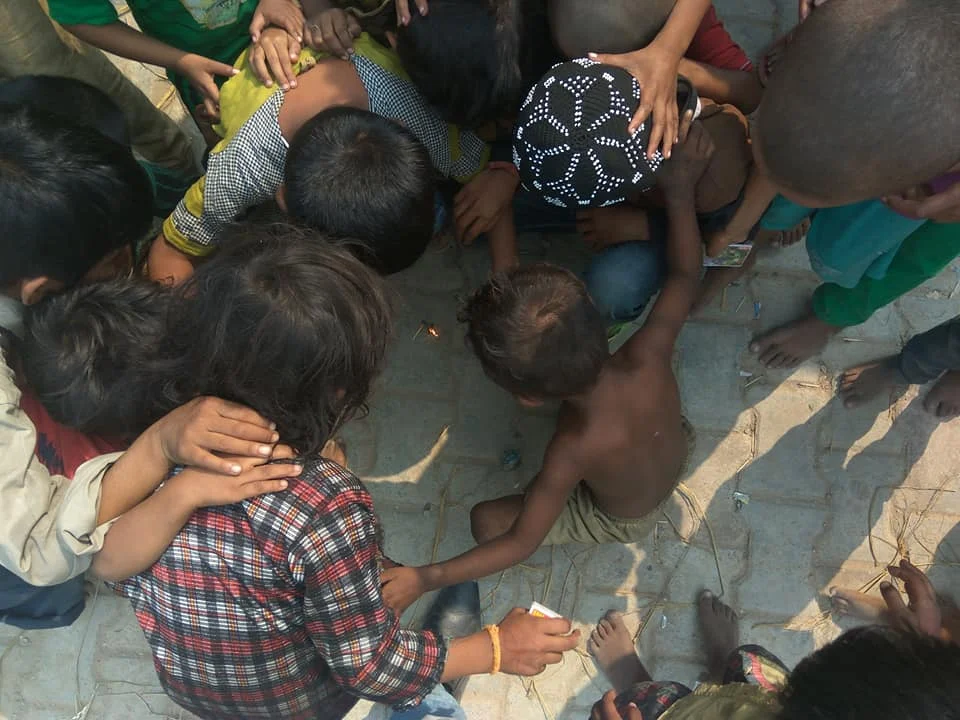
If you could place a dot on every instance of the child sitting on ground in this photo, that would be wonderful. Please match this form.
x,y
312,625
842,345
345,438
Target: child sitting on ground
x,y
832,159
391,183
621,442
292,324
606,166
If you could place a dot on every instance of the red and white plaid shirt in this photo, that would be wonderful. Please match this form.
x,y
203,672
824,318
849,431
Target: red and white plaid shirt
x,y
271,608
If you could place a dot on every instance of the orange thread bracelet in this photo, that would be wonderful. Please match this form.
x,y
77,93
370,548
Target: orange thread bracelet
x,y
494,632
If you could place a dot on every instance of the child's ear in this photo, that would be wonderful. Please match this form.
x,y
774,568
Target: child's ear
x,y
33,290
281,197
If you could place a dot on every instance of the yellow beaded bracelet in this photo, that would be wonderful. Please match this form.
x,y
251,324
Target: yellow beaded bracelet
x,y
494,632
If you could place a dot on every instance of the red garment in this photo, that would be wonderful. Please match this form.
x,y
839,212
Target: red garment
x,y
271,609
61,449
712,45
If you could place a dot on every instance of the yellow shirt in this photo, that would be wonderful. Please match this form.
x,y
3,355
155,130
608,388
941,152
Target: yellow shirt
x,y
246,167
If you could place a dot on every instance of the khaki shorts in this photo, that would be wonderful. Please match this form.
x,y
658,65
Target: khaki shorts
x,y
583,521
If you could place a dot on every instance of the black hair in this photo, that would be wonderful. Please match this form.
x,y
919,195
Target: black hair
x,y
281,320
357,175
536,332
83,351
73,100
606,26
858,106
69,195
876,672
464,56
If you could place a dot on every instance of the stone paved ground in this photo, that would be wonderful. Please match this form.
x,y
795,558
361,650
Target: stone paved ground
x,y
833,495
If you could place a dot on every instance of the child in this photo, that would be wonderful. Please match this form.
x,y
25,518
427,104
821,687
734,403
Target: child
x,y
197,43
295,326
31,44
606,166
866,673
933,355
621,442
71,201
84,105
258,123
834,166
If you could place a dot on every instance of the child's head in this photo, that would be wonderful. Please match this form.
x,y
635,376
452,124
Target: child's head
x,y
537,333
82,353
860,106
606,26
571,144
69,99
357,175
464,56
69,197
876,672
284,321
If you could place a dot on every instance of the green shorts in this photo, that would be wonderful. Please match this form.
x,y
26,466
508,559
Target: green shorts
x,y
584,521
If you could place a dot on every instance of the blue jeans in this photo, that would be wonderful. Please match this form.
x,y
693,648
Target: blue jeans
x,y
621,279
38,608
438,704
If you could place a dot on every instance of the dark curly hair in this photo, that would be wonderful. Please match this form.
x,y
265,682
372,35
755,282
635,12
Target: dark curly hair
x,y
284,321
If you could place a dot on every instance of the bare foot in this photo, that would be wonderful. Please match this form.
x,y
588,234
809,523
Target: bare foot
x,y
612,646
614,225
336,450
944,399
721,632
717,278
793,235
789,345
858,605
862,383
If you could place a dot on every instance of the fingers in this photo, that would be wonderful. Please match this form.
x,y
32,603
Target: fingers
x,y
642,113
257,24
283,452
891,597
936,205
917,584
558,644
671,134
554,626
403,10
259,65
904,206
422,6
344,36
215,67
280,66
210,108
353,26
261,429
292,22
686,122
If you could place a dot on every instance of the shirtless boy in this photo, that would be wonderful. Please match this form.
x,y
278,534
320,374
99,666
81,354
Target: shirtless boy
x,y
621,442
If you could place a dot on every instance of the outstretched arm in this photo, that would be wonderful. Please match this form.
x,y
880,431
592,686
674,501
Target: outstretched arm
x,y
677,179
542,505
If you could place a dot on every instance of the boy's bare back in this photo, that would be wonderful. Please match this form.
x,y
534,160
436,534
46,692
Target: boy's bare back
x,y
627,436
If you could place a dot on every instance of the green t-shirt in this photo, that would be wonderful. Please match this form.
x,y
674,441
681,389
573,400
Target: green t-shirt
x,y
217,29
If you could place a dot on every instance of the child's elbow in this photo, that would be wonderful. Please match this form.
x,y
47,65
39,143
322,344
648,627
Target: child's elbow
x,y
106,570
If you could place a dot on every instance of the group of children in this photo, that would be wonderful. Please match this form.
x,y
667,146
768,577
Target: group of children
x,y
175,428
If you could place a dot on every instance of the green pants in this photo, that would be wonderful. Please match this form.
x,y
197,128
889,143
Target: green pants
x,y
29,45
922,256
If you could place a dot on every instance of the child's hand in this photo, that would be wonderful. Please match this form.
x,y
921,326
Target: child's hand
x,y
655,68
284,14
688,163
923,613
191,434
528,643
401,587
273,57
201,71
606,709
166,264
332,31
479,205
403,10
943,207
203,488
